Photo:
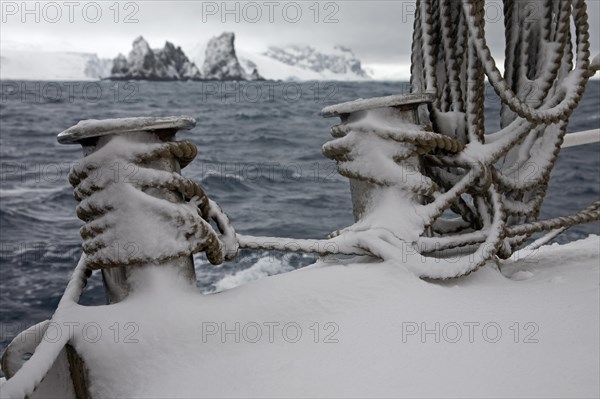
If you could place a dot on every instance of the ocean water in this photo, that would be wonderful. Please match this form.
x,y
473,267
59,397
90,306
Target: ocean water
x,y
259,157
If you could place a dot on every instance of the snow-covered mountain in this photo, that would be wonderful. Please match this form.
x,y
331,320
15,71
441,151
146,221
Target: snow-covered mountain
x,y
32,64
302,63
339,62
221,61
289,63
168,63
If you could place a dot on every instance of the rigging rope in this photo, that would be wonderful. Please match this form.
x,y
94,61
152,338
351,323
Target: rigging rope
x,y
478,176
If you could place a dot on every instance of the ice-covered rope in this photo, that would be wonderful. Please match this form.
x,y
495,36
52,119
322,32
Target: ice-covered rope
x,y
539,90
386,155
322,247
587,215
568,94
121,217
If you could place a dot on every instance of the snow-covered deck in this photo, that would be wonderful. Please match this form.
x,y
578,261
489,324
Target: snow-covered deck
x,y
531,330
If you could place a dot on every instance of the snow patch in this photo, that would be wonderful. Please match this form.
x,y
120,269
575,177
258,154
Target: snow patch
x,y
54,66
484,335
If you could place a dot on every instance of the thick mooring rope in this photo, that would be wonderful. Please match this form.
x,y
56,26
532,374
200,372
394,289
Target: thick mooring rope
x,y
89,183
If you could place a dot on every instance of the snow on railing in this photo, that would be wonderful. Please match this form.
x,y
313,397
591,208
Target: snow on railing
x,y
581,138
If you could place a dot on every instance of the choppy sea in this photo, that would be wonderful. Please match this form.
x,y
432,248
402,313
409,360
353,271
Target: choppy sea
x,y
259,158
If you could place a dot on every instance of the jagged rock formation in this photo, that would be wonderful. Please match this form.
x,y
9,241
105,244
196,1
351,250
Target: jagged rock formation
x,y
144,63
221,62
341,61
120,66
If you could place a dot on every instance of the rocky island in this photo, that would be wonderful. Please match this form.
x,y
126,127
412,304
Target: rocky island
x,y
171,63
221,61
144,63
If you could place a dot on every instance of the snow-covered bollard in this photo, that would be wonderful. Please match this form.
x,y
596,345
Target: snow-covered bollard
x,y
381,145
370,160
139,212
137,207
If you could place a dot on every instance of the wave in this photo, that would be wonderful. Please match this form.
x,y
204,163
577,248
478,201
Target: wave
x,y
264,267
26,191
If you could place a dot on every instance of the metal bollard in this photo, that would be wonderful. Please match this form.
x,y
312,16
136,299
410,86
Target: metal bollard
x,y
411,108
92,135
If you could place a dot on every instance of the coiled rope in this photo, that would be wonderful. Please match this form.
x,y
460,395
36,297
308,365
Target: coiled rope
x,y
93,182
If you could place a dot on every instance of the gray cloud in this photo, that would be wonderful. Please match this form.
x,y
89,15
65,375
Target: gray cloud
x,y
378,31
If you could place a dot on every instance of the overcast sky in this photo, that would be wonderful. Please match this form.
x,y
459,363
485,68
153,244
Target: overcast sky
x,y
379,32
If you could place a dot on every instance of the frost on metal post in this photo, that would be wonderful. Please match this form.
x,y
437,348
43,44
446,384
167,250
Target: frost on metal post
x,y
381,146
137,207
138,212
